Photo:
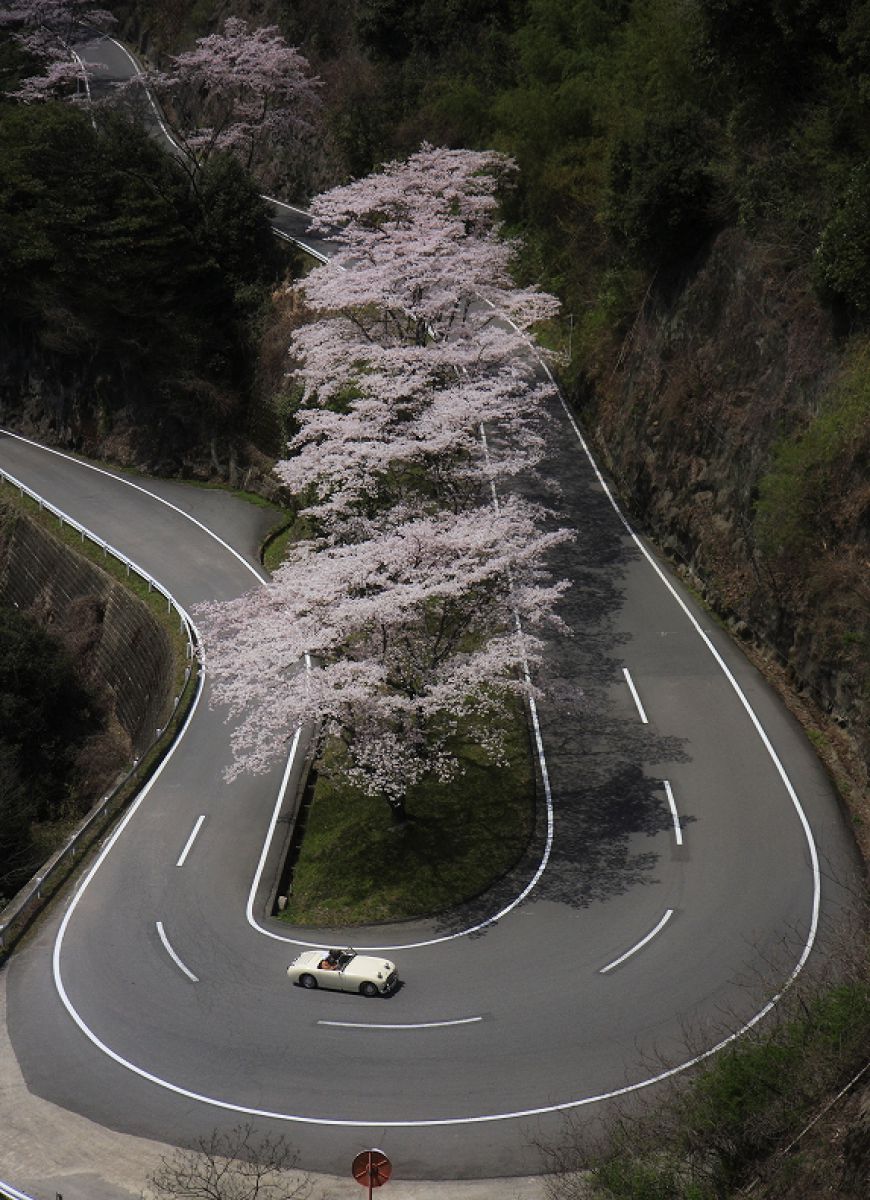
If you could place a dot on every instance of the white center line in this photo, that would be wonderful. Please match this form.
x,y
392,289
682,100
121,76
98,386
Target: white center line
x,y
427,1025
678,833
189,843
642,942
633,690
165,940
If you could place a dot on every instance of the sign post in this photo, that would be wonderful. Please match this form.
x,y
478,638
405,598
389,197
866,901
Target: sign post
x,y
371,1168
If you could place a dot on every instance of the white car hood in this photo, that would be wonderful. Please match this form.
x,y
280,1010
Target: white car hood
x,y
368,965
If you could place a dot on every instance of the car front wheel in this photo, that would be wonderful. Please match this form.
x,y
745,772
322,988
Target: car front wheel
x,y
307,981
368,989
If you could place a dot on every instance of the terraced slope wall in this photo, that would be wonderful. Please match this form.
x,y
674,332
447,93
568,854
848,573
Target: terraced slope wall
x,y
121,648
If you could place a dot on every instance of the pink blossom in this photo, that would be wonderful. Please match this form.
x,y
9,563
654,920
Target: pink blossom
x,y
250,87
413,633
408,359
419,601
48,30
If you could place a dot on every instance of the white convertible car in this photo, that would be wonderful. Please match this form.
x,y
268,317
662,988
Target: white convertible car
x,y
344,970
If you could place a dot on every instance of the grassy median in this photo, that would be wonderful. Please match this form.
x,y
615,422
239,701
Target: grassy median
x,y
356,867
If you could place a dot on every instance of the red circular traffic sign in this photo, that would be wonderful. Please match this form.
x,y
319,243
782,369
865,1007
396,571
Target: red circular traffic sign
x,y
371,1168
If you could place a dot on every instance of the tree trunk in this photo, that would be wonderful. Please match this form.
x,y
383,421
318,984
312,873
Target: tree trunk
x,y
397,808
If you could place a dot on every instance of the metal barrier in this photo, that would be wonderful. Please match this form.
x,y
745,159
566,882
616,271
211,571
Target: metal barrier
x,y
29,900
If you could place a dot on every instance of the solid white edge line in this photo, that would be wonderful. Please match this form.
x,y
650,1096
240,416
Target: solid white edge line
x,y
283,204
542,865
6,1189
678,831
139,488
750,712
302,246
560,1107
165,940
84,71
635,696
184,853
258,874
447,937
164,128
643,941
564,1106
421,1025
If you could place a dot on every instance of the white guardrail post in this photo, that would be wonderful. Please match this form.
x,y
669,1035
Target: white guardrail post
x,y
27,902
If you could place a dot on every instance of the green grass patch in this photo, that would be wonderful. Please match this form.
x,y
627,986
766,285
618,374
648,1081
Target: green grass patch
x,y
801,495
356,867
277,540
291,529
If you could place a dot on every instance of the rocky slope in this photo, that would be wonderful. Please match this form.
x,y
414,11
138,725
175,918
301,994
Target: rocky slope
x,y
736,420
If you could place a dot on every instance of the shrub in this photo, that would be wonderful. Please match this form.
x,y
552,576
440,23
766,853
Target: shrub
x,y
628,1178
661,192
799,509
715,1131
842,263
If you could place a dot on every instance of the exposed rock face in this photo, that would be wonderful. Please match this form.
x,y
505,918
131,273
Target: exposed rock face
x,y
710,378
69,401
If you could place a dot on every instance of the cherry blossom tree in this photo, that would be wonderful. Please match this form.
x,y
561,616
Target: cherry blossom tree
x,y
421,341
418,600
420,243
414,637
236,91
47,31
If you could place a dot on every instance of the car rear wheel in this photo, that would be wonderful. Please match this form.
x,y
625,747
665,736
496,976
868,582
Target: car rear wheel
x,y
368,989
307,981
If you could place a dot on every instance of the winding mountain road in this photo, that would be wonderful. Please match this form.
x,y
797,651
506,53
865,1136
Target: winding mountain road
x,y
691,857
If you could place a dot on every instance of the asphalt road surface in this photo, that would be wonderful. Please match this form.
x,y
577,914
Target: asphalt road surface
x,y
690,859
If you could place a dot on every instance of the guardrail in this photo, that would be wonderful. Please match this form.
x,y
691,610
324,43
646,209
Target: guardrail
x,y
29,900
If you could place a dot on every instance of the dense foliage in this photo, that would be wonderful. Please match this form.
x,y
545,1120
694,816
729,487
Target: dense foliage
x,y
44,716
640,126
117,273
714,1136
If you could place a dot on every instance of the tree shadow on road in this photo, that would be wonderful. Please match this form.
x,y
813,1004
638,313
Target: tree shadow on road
x,y
604,767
